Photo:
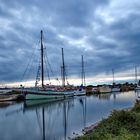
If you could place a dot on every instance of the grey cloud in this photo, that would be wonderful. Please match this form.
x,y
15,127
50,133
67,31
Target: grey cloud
x,y
114,45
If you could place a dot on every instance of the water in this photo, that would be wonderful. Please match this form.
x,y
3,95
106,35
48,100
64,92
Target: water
x,y
59,120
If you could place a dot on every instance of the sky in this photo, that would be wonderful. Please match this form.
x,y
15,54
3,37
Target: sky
x,y
105,32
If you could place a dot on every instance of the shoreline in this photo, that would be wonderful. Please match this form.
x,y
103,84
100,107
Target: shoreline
x,y
120,124
89,129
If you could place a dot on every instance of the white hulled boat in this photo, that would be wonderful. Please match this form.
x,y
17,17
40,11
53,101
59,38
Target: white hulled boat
x,y
105,89
81,91
136,80
114,89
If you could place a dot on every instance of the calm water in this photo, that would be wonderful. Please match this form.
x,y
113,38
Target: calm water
x,y
59,120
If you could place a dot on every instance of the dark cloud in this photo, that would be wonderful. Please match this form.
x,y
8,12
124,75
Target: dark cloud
x,y
107,34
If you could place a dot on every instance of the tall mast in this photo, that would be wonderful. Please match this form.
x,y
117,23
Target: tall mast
x,y
63,69
135,74
42,65
83,72
113,75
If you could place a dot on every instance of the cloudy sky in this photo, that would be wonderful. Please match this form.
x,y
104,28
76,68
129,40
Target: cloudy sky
x,y
106,32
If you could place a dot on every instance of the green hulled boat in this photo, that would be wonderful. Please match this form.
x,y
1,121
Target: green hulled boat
x,y
41,93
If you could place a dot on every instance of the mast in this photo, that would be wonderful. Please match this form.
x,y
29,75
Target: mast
x,y
136,75
113,75
42,64
83,72
63,69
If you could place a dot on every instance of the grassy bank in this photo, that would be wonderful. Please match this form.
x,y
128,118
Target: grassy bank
x,y
120,125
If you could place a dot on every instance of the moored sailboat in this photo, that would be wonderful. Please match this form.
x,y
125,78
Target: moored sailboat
x,y
114,87
42,92
81,90
136,80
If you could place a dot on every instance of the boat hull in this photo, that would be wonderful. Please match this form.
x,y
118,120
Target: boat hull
x,y
137,88
104,90
115,90
36,96
80,93
32,94
11,97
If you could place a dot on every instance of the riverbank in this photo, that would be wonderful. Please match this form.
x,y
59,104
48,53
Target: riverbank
x,y
120,125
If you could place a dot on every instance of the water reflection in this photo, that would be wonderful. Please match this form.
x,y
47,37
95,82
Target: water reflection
x,y
82,101
5,104
40,120
137,93
54,116
104,96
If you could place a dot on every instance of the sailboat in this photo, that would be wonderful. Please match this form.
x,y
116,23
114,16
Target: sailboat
x,y
114,88
136,80
81,90
43,92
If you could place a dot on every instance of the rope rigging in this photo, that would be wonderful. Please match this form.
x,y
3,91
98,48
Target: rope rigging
x,y
48,64
38,75
48,74
29,69
29,65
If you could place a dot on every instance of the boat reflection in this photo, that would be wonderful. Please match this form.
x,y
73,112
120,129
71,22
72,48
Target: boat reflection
x,y
107,96
47,115
83,101
55,115
6,104
103,96
137,93
61,120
